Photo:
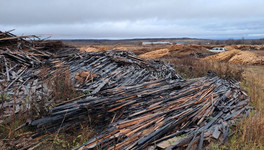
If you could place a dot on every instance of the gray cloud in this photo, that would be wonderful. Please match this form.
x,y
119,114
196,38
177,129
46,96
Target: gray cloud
x,y
134,18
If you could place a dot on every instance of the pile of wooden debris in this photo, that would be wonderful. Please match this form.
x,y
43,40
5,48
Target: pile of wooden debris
x,y
114,68
21,71
26,66
142,104
156,114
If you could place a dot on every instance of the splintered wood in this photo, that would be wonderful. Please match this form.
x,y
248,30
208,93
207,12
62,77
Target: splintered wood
x,y
27,67
141,104
115,68
156,113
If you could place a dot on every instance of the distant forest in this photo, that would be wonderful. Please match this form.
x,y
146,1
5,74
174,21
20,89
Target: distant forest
x,y
237,42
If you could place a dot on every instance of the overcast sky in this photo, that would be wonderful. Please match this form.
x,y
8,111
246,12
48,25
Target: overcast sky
x,y
115,19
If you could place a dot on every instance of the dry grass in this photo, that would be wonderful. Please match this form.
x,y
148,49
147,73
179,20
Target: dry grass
x,y
191,68
69,139
62,86
249,133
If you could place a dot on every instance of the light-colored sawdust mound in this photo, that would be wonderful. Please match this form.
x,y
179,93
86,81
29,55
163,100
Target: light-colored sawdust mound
x,y
231,47
245,47
245,57
178,51
224,56
155,54
237,57
89,49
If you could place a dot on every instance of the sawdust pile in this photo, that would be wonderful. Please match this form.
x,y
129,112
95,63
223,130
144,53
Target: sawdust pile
x,y
89,49
237,57
155,54
231,47
245,47
178,51
246,58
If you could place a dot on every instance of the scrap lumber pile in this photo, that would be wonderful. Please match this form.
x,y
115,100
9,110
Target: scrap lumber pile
x,y
140,104
96,72
18,59
114,68
9,39
26,67
21,63
156,114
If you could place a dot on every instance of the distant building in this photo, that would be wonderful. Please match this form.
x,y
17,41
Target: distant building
x,y
156,43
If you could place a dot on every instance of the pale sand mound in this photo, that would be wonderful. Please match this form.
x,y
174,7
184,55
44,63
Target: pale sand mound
x,y
224,56
89,49
245,47
237,57
246,58
231,47
155,54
